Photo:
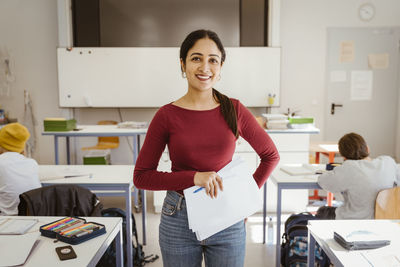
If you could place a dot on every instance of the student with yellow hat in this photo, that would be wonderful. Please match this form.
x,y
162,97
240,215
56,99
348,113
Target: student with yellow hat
x,y
18,173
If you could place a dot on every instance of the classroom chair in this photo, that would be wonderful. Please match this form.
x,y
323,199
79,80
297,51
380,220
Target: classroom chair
x,y
329,149
105,142
59,200
387,204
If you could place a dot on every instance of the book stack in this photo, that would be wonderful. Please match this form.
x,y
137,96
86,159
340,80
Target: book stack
x,y
300,123
276,121
59,124
133,124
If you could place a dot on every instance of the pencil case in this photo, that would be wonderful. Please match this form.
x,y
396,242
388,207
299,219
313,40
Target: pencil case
x,y
72,230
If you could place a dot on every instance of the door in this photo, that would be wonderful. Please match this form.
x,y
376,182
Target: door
x,y
362,86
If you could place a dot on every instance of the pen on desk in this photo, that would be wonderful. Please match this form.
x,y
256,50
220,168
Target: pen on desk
x,y
198,190
78,175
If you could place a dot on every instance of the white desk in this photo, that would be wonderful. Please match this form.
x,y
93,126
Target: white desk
x,y
116,179
285,181
101,130
321,231
88,253
97,130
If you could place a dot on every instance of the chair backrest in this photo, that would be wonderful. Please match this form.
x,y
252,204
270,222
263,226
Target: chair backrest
x,y
108,139
59,200
387,204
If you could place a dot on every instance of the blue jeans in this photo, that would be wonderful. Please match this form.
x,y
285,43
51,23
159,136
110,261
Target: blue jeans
x,y
180,247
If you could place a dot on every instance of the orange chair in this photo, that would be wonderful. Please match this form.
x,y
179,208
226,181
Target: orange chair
x,y
387,204
105,142
329,149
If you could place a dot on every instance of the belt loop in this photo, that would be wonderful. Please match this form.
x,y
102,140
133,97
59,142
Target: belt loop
x,y
179,203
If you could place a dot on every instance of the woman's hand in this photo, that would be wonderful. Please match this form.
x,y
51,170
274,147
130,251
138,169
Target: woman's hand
x,y
210,181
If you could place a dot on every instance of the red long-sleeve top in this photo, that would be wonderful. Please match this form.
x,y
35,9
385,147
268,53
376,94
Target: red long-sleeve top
x,y
198,141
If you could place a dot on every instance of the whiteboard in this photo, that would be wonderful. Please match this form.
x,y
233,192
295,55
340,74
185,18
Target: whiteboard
x,y
151,76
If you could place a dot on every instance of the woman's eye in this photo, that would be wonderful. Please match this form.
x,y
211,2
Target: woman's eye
x,y
213,60
195,59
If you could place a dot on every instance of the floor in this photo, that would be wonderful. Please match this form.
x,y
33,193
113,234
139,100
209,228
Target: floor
x,y
257,253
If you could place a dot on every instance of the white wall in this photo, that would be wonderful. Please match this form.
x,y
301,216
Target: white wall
x,y
28,28
303,42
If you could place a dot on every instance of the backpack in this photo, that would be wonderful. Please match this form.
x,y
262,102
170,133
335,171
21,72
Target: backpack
x,y
294,243
109,257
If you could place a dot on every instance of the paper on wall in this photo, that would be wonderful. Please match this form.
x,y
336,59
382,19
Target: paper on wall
x,y
378,61
361,85
346,53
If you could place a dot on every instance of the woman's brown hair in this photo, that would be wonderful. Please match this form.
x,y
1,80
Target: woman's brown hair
x,y
353,146
227,108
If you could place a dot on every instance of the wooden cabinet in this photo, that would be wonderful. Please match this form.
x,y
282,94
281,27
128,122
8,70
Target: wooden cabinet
x,y
293,147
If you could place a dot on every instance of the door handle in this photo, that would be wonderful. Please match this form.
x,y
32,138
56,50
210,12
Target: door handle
x,y
333,107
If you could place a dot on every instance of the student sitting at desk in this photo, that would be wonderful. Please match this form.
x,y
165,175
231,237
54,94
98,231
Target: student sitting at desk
x,y
358,179
18,174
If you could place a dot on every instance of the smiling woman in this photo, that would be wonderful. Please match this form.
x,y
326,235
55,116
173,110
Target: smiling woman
x,y
203,66
200,129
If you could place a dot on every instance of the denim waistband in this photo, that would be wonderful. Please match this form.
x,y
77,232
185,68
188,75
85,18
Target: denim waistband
x,y
178,198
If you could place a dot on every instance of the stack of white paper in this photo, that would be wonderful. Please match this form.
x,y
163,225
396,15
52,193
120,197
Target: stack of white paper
x,y
240,199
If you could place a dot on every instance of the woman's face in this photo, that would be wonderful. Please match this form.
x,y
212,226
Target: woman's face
x,y
203,65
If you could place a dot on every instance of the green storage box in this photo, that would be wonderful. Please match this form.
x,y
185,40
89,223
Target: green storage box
x,y
97,157
59,124
301,120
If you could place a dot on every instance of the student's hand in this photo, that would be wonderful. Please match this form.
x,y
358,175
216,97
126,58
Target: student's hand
x,y
210,181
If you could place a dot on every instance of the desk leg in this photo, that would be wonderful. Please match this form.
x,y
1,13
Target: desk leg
x,y
135,190
135,148
264,211
278,228
331,156
144,216
118,246
128,212
311,250
68,152
316,196
56,149
329,199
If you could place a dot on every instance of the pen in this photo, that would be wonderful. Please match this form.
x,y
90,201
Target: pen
x,y
77,175
198,190
83,233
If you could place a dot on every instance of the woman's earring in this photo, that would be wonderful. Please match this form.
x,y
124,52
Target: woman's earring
x,y
183,74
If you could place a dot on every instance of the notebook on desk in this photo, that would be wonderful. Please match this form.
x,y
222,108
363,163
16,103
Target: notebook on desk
x,y
15,249
359,239
11,226
305,169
